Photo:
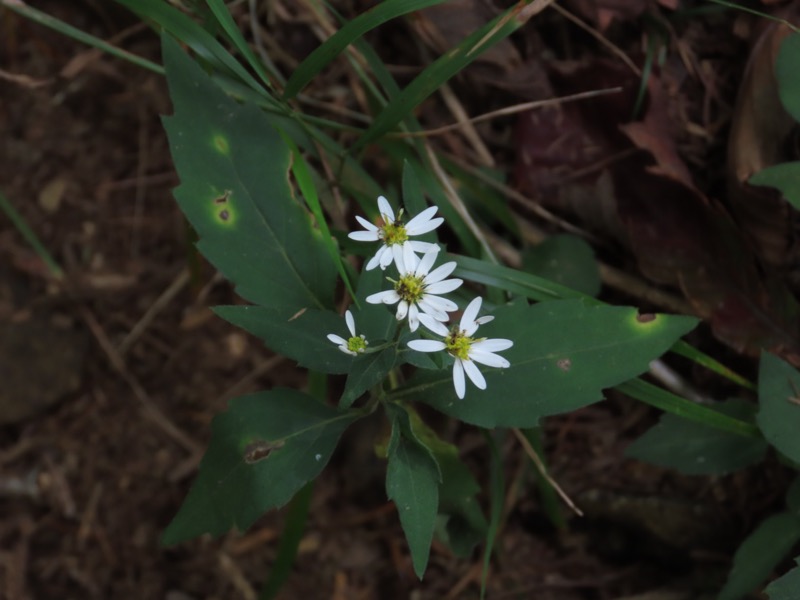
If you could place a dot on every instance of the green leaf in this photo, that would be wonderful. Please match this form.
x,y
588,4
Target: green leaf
x,y
352,30
367,371
787,587
464,524
760,553
412,483
235,191
567,260
564,354
376,321
497,489
793,496
784,177
786,69
698,449
779,413
300,337
263,449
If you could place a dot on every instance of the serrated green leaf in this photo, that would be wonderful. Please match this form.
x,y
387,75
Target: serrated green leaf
x,y
301,337
697,449
567,260
784,177
235,191
263,449
564,354
786,587
367,371
787,67
760,553
412,483
779,413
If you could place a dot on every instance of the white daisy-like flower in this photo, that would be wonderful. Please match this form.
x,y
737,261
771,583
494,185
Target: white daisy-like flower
x,y
355,344
394,234
464,348
418,288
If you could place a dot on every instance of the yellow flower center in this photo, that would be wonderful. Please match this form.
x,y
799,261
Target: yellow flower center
x,y
410,288
357,344
458,344
394,233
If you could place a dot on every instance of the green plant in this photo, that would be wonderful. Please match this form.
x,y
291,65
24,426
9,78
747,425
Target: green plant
x,y
254,190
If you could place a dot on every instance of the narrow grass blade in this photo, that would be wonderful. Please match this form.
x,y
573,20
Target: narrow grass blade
x,y
193,35
349,33
701,358
438,73
551,505
296,520
43,18
305,181
669,402
513,280
25,231
497,491
230,28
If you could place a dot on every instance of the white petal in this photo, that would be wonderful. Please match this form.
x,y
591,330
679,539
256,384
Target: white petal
x,y
468,318
367,225
439,303
474,374
440,272
386,210
347,350
421,247
489,359
351,324
434,325
485,319
336,339
426,308
426,345
386,297
363,236
402,310
443,287
410,260
423,222
470,330
386,257
374,261
427,261
492,345
413,317
458,378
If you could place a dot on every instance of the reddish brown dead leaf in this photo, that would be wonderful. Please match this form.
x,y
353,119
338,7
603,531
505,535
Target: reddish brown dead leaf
x,y
656,134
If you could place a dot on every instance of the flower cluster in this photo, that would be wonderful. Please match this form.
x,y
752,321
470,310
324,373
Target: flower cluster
x,y
418,290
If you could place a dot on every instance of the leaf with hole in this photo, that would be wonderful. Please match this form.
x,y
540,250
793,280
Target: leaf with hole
x,y
235,191
263,449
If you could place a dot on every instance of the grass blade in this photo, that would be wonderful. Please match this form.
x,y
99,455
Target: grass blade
x,y
42,18
296,520
669,402
497,493
349,33
440,71
230,28
33,240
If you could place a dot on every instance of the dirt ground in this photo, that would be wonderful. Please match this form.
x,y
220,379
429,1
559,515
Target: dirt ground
x,y
112,380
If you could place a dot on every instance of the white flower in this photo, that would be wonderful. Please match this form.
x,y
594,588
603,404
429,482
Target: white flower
x,y
417,290
466,349
354,345
394,234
